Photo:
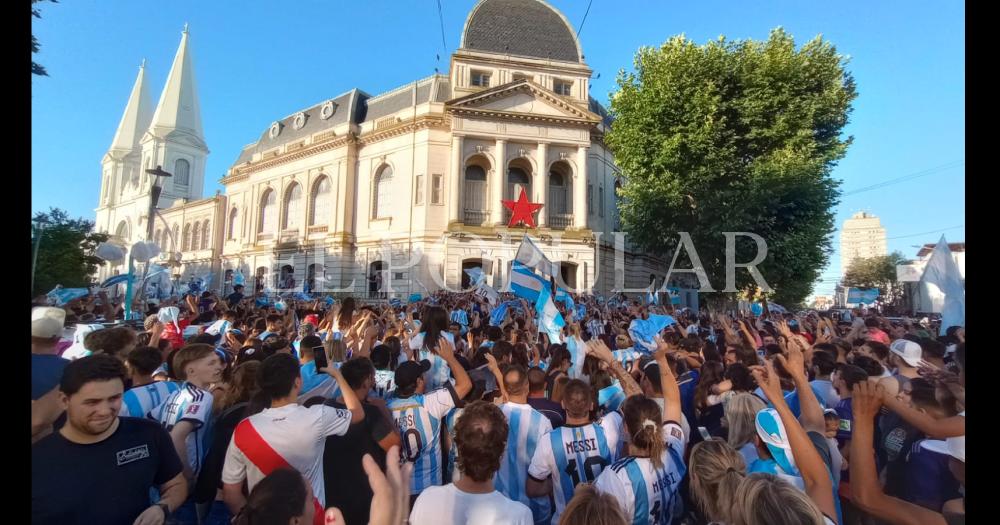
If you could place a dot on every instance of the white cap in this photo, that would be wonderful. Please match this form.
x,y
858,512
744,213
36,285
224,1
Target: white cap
x,y
47,322
908,350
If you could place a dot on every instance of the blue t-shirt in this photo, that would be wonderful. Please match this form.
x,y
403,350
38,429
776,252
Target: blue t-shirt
x,y
792,398
928,481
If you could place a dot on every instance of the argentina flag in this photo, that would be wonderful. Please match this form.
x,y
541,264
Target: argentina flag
x,y
62,295
550,320
525,283
531,256
116,279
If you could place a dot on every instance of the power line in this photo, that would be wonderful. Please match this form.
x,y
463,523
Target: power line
x,y
441,19
582,21
925,233
904,178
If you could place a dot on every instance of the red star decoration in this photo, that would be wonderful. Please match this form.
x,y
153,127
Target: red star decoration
x,y
522,211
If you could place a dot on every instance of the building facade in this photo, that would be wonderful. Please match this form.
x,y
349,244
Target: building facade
x,y
407,184
861,237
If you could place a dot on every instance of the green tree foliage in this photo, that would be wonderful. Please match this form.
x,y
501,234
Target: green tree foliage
x,y
66,253
37,69
877,272
737,136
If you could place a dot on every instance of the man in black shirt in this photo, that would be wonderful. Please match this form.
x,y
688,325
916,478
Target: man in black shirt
x,y
536,398
342,470
234,298
99,468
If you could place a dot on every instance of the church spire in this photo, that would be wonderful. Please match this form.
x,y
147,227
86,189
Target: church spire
x,y
136,118
178,109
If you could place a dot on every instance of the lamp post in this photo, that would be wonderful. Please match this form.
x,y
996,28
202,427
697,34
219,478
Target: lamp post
x,y
39,228
154,195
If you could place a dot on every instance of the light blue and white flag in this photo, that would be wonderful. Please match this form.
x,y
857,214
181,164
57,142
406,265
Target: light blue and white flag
x,y
642,330
487,292
497,314
115,280
550,320
61,295
581,311
238,278
476,275
564,297
530,255
525,283
396,302
219,327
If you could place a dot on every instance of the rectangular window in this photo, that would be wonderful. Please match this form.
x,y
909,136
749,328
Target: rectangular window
x,y
419,191
480,79
600,195
437,189
590,198
563,87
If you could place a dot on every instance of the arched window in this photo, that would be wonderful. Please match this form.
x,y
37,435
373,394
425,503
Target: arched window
x,y
293,207
268,212
122,231
186,239
383,186
174,246
196,236
233,219
320,207
474,195
204,235
182,172
557,193
517,179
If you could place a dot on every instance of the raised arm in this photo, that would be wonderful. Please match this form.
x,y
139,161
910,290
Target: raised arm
x,y
350,398
463,384
668,383
934,428
811,415
598,349
810,464
866,492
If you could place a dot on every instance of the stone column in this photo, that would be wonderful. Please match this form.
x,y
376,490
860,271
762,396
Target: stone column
x,y
542,184
580,190
455,197
497,182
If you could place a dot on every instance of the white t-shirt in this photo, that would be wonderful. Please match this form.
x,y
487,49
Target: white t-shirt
x,y
684,420
446,505
292,435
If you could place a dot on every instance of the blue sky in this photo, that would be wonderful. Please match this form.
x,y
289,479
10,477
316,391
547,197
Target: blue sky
x,y
257,61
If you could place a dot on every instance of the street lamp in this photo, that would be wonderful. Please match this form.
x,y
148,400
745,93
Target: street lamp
x,y
154,196
39,228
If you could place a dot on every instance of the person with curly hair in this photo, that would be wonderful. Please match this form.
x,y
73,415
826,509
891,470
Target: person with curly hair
x,y
481,438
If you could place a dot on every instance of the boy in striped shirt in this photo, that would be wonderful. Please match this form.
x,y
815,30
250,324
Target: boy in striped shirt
x,y
418,416
145,393
574,453
527,427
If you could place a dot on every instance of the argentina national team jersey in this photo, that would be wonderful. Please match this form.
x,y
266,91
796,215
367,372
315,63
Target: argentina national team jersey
x,y
646,494
527,427
418,419
317,384
385,384
440,372
194,405
450,420
572,455
626,356
138,401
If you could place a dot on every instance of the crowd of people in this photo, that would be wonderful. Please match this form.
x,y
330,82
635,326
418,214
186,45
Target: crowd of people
x,y
251,410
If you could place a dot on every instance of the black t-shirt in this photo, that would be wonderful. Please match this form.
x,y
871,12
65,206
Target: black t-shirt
x,y
234,299
210,476
345,479
550,409
895,441
106,482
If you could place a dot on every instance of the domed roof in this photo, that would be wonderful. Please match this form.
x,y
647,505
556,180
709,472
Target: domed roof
x,y
527,28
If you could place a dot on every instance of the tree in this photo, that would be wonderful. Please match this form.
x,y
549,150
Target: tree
x,y
66,253
37,69
877,272
734,136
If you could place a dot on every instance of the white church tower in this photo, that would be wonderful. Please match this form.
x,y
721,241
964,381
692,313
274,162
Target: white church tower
x,y
174,139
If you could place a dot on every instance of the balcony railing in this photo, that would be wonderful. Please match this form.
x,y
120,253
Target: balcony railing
x,y
560,221
476,217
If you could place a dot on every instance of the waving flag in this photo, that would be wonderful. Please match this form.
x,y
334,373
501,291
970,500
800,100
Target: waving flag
x,y
941,287
525,283
238,279
219,327
531,256
62,295
577,354
476,275
564,297
497,314
549,319
642,331
116,279
487,292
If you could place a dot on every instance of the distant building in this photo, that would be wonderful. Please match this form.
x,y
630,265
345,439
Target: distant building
x,y
861,237
822,302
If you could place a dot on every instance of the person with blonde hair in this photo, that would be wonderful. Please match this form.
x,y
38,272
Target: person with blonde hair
x,y
765,498
715,470
741,415
592,507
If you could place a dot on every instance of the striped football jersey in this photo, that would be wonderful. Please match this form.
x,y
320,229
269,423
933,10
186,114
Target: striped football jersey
x,y
418,419
647,494
192,404
526,427
138,401
385,384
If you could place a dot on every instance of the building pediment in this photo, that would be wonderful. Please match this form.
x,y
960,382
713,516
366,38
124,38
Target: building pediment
x,y
521,100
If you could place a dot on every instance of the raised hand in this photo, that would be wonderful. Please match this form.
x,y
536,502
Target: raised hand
x,y
866,400
445,349
768,381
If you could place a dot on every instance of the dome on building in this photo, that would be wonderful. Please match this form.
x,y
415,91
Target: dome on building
x,y
526,28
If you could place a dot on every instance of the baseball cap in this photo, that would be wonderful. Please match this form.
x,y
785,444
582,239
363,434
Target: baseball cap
x,y
312,319
908,350
46,373
772,432
954,447
47,322
408,372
